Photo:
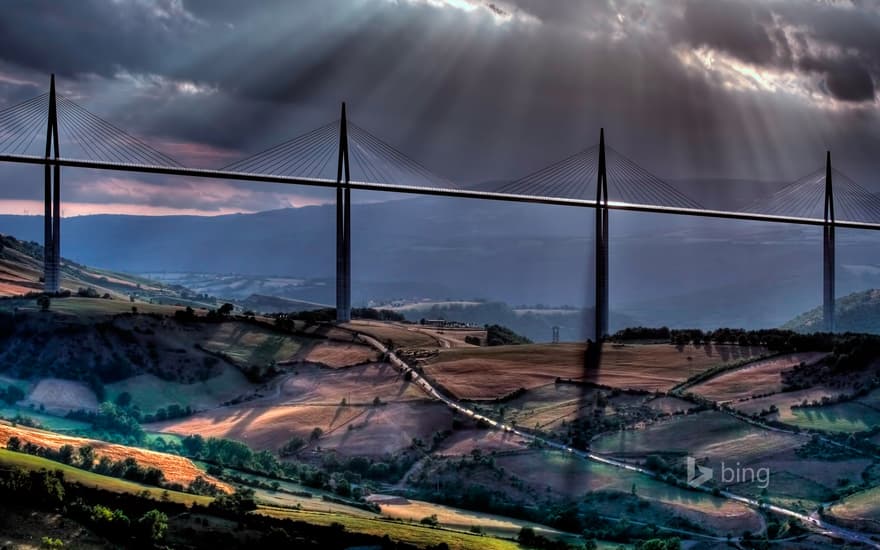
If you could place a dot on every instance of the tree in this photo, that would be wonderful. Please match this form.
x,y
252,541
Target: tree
x,y
240,502
225,309
293,446
14,444
86,456
66,453
193,445
44,302
153,525
431,520
316,434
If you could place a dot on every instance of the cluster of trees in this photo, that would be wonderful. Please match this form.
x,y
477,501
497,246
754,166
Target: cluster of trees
x,y
528,538
377,314
45,489
84,457
776,340
853,352
168,413
89,292
641,333
137,521
497,335
112,418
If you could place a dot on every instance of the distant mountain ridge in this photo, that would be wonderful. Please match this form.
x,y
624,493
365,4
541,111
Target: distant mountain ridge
x,y
665,270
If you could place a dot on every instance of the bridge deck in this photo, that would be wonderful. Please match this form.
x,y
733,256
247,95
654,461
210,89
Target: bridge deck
x,y
415,190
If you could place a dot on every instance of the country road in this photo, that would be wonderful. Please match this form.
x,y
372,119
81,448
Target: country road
x,y
815,523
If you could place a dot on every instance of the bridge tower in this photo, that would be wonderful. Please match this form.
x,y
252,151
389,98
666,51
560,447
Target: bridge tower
x,y
343,227
601,258
52,201
828,251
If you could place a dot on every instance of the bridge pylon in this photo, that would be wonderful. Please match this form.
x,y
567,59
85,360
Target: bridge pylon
x,y
52,202
601,257
828,262
343,226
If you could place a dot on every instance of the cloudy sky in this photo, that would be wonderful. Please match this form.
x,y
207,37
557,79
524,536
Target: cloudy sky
x,y
476,90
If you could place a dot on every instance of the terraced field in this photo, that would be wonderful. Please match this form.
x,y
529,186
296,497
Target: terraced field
x,y
493,372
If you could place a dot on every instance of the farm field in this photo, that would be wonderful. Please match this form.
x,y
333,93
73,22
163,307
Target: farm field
x,y
150,392
89,307
574,477
546,407
311,397
91,479
670,405
176,469
375,431
861,510
413,533
58,396
400,336
247,344
463,442
338,354
858,415
722,441
456,518
453,337
762,377
710,434
783,401
846,417
493,372
47,421
360,384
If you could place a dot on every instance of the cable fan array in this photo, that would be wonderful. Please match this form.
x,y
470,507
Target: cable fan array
x,y
82,134
805,198
575,178
316,153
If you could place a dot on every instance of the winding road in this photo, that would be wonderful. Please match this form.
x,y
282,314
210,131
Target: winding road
x,y
812,521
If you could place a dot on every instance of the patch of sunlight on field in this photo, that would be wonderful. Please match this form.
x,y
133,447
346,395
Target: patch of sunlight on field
x,y
97,306
412,533
848,417
863,507
457,518
251,345
91,479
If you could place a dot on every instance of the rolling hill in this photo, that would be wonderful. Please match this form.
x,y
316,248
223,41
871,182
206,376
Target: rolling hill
x,y
677,271
21,273
857,312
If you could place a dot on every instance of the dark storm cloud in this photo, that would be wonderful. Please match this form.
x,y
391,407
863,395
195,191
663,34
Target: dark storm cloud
x,y
738,28
482,94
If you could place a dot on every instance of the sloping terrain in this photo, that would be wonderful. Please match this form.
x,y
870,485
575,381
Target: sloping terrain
x,y
177,469
21,271
857,312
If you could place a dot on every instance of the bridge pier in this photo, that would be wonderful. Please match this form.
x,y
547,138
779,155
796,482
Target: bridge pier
x,y
52,201
601,258
343,227
828,262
